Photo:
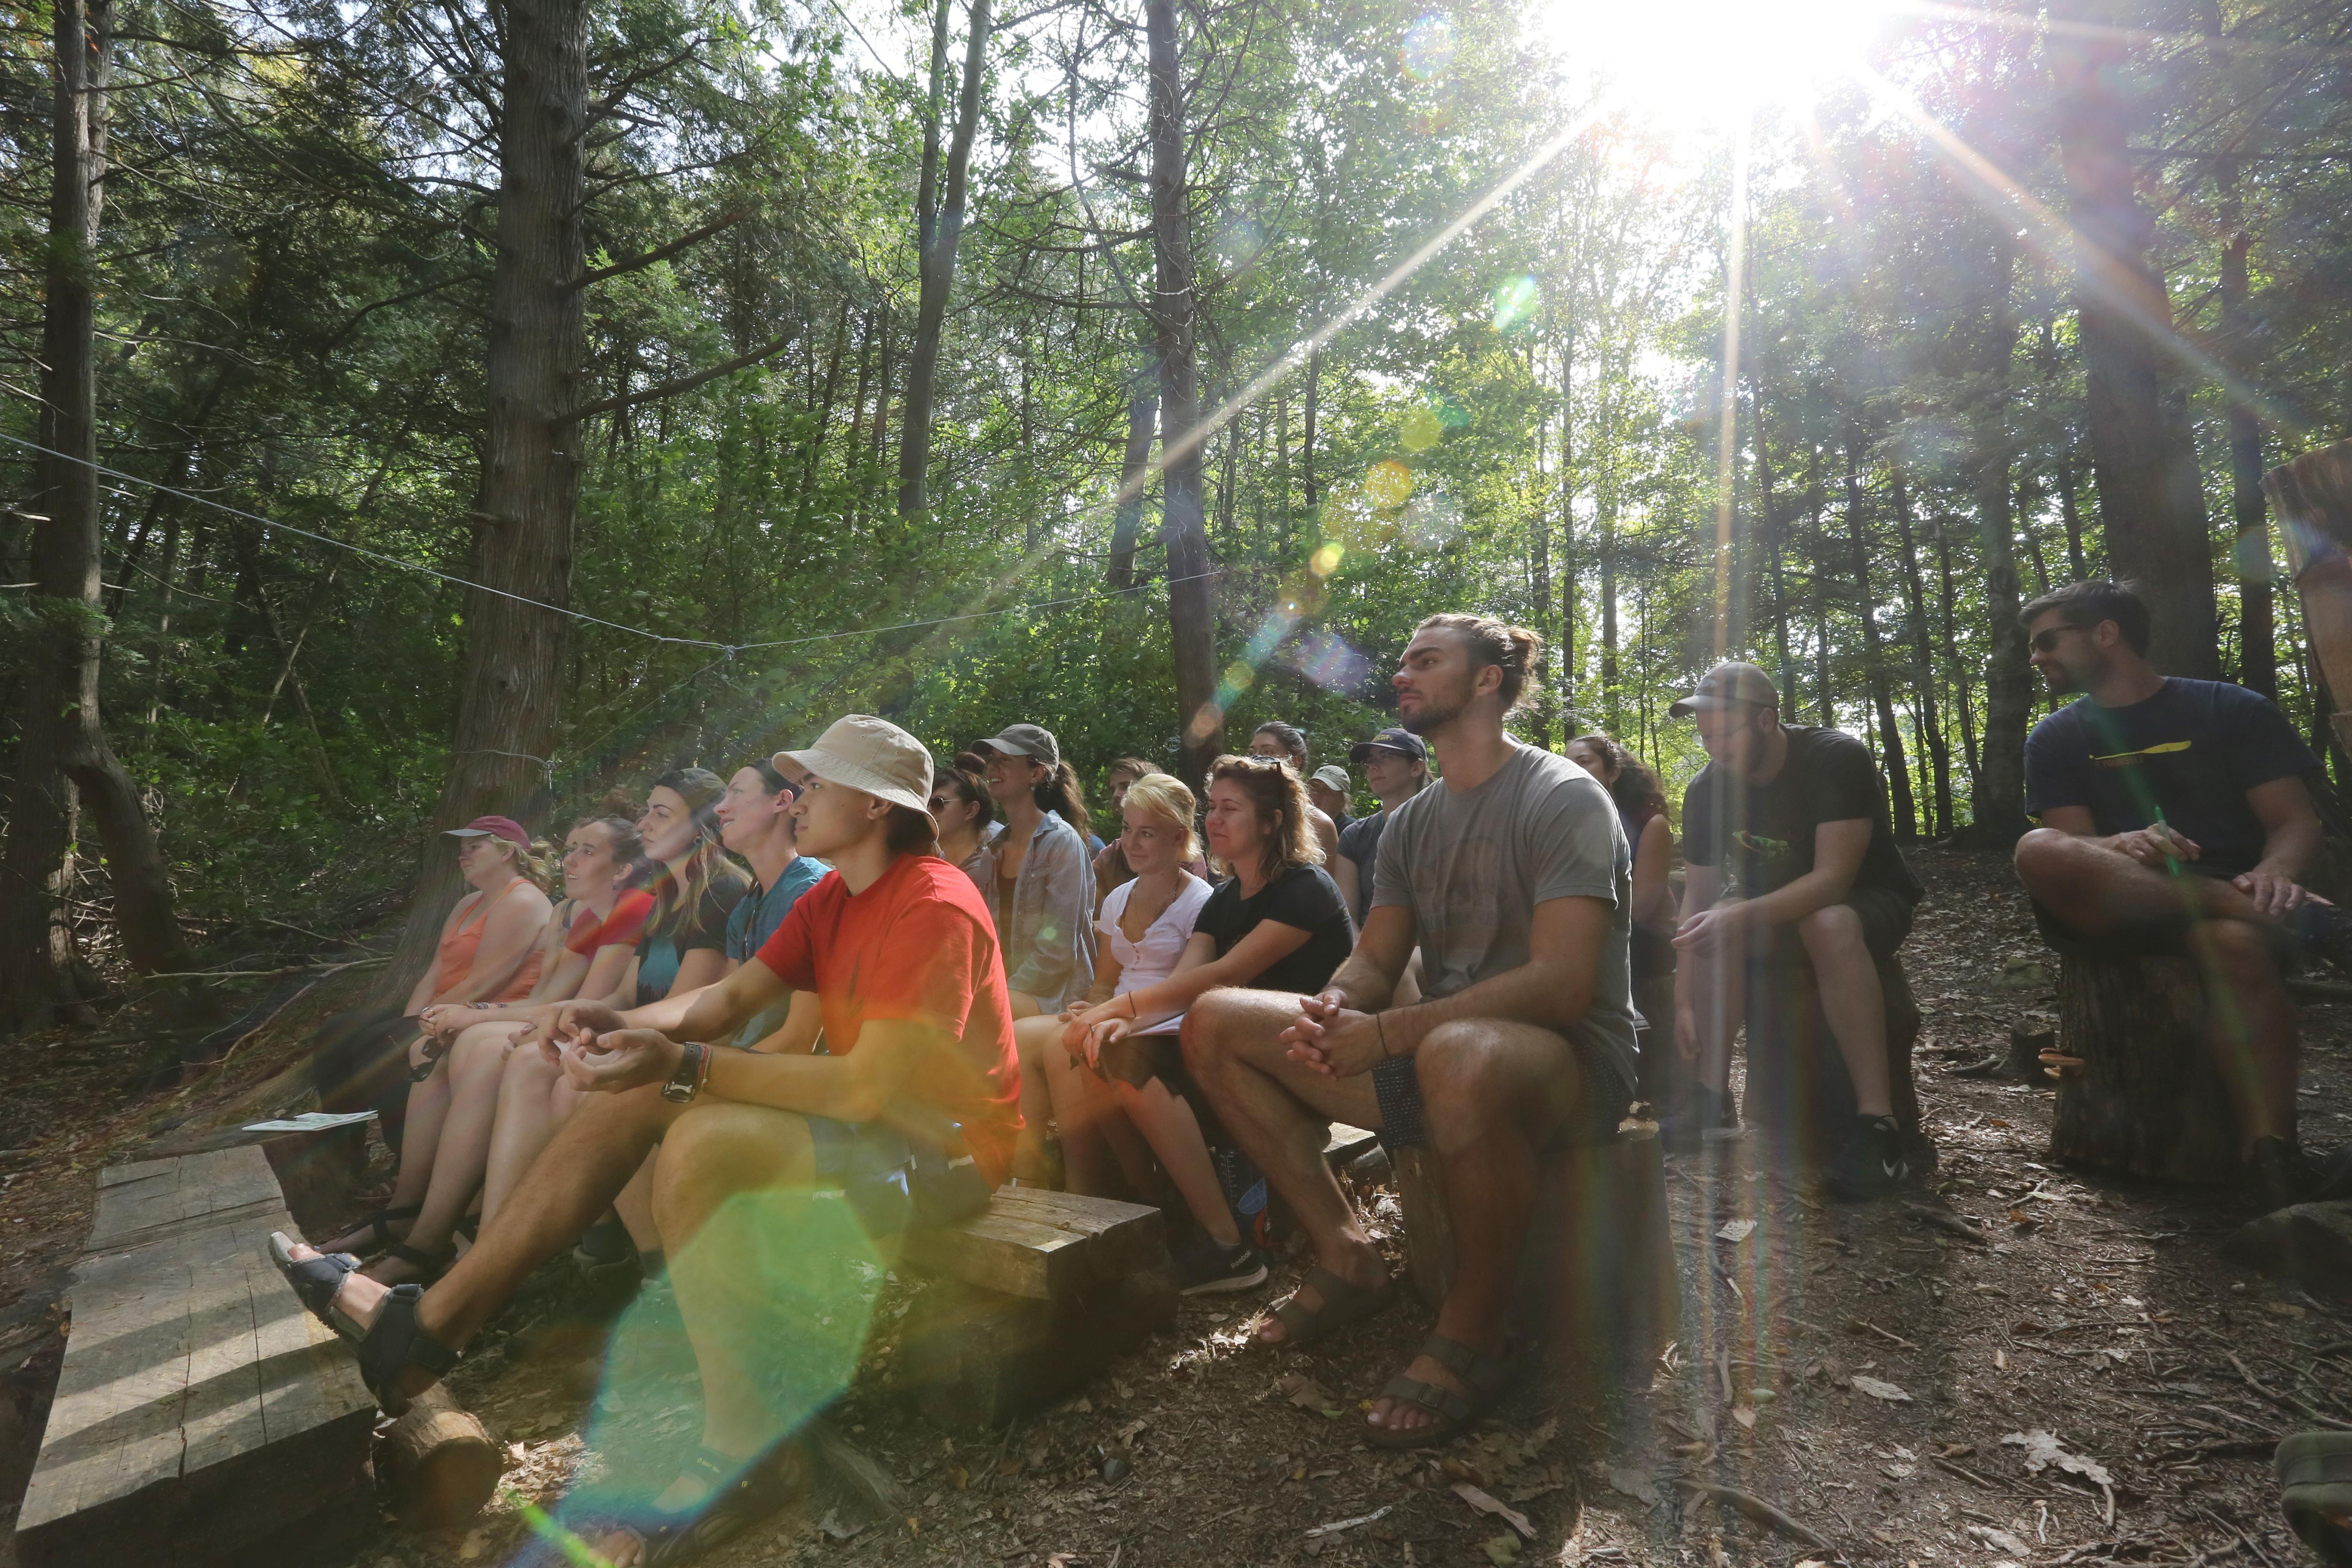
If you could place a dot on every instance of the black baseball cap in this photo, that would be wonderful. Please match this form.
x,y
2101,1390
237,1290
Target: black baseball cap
x,y
1403,742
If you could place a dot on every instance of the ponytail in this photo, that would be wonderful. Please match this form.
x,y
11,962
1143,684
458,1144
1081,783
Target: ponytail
x,y
1060,794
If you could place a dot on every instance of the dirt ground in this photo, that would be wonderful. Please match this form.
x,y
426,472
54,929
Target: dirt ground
x,y
2086,1381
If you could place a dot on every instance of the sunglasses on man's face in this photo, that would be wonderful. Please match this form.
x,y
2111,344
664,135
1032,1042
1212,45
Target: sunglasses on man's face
x,y
2046,640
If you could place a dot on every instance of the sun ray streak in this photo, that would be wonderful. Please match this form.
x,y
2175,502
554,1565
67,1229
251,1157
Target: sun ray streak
x,y
1735,269
2057,242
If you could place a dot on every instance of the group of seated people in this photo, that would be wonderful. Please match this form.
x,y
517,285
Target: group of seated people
x,y
928,968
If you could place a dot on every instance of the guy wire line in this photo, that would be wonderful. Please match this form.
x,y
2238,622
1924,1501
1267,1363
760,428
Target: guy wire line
x,y
727,650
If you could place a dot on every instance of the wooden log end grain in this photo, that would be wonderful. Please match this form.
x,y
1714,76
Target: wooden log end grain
x,y
439,1461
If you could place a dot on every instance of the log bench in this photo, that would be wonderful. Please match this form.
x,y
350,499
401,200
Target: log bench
x,y
2147,1099
200,1410
1800,1098
1597,1284
1027,1301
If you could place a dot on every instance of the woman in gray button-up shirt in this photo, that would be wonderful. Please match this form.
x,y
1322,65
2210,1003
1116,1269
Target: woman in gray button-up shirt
x,y
1037,875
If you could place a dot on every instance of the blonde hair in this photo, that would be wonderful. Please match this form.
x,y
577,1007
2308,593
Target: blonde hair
x,y
1273,787
1166,800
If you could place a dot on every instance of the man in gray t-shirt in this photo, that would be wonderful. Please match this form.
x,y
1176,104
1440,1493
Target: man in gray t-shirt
x,y
1512,876
1472,865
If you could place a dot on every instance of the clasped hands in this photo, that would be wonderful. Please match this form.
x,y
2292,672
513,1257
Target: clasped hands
x,y
597,1050
1333,1038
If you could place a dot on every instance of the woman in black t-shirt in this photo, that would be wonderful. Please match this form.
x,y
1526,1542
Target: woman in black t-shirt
x,y
1277,924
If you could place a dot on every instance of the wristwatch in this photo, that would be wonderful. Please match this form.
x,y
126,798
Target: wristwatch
x,y
693,1067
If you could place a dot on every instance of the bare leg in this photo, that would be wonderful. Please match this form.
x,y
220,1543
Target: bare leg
x,y
472,1071
1033,1033
1719,996
1854,1001
1494,1092
1280,1114
530,1089
428,1102
636,1208
1169,1125
583,1170
2251,1030
1081,1104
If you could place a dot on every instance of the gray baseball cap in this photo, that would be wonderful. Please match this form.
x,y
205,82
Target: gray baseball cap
x,y
1332,775
1024,741
1731,684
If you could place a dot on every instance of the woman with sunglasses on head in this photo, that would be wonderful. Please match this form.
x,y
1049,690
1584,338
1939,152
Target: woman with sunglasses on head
x,y
961,804
1277,924
585,947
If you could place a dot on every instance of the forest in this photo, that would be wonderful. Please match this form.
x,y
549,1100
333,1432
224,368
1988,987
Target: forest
x,y
423,407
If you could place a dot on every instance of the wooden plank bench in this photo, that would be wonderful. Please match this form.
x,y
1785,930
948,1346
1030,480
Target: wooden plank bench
x,y
200,1410
1028,1300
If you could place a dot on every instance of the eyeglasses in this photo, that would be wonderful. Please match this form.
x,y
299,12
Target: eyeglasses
x,y
2046,640
937,803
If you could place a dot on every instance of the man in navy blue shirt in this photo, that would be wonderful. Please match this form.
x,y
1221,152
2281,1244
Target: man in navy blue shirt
x,y
2175,819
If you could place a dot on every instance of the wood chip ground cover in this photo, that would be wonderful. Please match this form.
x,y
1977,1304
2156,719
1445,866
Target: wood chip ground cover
x,y
2095,1319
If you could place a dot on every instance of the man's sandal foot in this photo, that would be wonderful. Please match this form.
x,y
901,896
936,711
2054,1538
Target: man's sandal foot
x,y
394,1344
1484,1376
1344,1302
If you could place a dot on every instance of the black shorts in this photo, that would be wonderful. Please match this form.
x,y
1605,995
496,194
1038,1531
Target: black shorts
x,y
1885,917
1396,1084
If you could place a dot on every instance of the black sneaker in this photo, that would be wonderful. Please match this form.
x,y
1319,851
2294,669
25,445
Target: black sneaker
x,y
1873,1163
1707,1117
2280,1175
1204,1267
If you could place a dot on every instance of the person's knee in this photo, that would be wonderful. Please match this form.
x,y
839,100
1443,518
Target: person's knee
x,y
2041,856
715,1147
2240,949
1212,1026
1465,1082
1833,928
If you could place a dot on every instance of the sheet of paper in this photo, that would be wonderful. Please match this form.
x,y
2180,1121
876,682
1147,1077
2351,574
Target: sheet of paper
x,y
311,1121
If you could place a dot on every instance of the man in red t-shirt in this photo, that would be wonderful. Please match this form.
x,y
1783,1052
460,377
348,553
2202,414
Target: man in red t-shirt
x,y
911,1112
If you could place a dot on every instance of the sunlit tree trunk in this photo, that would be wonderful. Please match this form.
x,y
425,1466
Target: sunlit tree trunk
x,y
2143,454
1175,306
936,236
512,680
1931,728
2257,628
1890,735
2000,796
1134,466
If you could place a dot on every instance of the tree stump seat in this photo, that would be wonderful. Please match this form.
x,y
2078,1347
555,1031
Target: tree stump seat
x,y
2147,1099
1799,1098
1597,1282
1027,1301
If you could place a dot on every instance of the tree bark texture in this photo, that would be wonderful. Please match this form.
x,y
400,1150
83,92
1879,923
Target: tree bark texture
x,y
63,759
1999,804
1915,596
2147,1100
2151,498
2257,623
1175,304
1890,738
1134,475
938,237
511,699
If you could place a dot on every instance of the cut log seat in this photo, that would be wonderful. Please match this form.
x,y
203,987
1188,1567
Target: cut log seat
x,y
1800,1098
1028,1300
200,1410
2147,1100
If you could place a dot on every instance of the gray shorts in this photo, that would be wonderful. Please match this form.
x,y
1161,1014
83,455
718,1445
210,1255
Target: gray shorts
x,y
891,1183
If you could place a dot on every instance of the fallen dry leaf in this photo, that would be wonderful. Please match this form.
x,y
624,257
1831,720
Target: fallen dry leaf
x,y
2000,1540
1737,1230
2043,1449
1878,1389
1745,1414
1633,1483
1484,1503
1306,1393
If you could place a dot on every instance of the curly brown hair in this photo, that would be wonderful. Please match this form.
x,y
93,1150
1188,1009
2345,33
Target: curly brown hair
x,y
1273,788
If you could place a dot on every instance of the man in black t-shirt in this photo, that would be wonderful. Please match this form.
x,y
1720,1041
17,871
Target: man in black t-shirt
x,y
2175,819
1786,827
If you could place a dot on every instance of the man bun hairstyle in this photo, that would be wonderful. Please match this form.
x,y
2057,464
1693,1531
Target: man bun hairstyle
x,y
2087,603
1512,649
1166,801
1273,787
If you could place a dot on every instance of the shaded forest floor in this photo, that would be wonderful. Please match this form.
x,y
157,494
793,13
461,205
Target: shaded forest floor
x,y
2097,1311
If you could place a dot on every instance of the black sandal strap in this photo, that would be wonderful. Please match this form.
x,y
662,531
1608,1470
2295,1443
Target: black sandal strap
x,y
417,1258
1434,1398
1479,1373
316,1281
395,1343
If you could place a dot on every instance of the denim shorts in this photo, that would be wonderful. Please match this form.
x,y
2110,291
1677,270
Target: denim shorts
x,y
890,1182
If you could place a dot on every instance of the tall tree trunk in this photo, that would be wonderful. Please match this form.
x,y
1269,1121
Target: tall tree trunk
x,y
1175,303
2152,497
2071,511
63,761
816,452
936,263
1569,572
1914,600
1612,702
1999,803
1134,471
1546,702
1820,543
1890,737
1306,446
1966,705
1774,526
512,685
2257,619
